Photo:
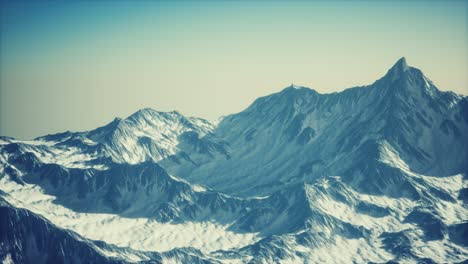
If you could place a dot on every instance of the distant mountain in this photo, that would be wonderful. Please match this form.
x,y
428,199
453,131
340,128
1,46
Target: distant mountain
x,y
371,174
143,136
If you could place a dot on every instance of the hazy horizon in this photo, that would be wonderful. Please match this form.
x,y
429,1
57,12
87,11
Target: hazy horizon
x,y
77,66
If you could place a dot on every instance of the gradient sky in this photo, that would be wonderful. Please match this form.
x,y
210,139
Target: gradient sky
x,y
77,65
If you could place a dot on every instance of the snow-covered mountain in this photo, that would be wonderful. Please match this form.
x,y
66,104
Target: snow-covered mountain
x,y
371,174
146,135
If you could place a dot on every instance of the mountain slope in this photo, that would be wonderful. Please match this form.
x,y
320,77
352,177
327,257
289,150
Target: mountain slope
x,y
299,135
28,238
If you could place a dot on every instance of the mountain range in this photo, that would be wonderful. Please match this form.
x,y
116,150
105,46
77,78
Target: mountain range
x,y
372,174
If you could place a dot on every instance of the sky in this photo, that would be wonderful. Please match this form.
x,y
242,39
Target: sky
x,y
77,65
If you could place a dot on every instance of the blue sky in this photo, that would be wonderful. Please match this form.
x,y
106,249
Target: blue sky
x,y
76,65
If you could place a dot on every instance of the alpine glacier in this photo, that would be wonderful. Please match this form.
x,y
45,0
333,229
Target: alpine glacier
x,y
372,174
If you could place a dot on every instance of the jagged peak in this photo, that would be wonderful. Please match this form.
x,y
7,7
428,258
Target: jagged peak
x,y
401,65
116,120
144,111
153,112
296,87
411,77
398,70
106,130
